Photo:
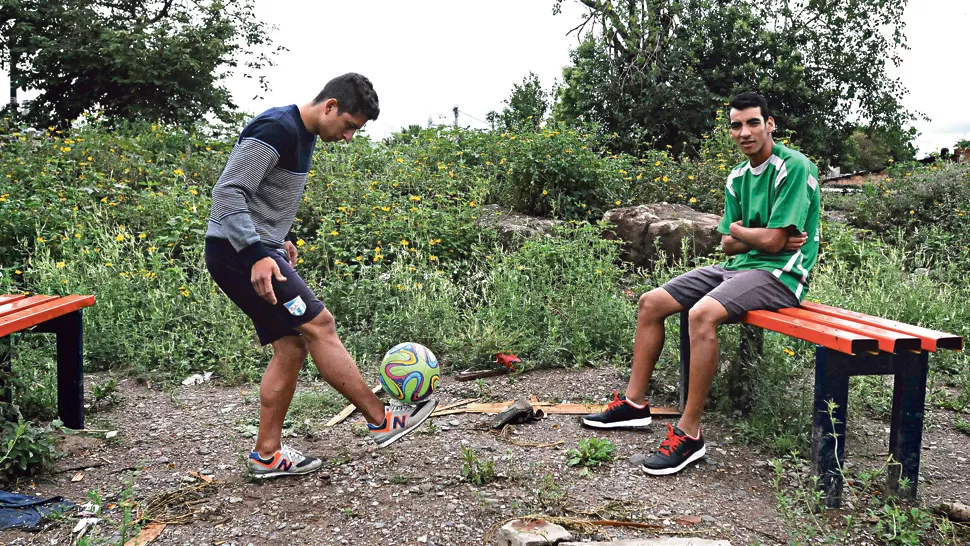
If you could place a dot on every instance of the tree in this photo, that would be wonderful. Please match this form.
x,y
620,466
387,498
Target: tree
x,y
525,107
655,72
130,59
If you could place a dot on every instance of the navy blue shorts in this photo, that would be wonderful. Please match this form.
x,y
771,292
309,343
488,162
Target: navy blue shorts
x,y
295,305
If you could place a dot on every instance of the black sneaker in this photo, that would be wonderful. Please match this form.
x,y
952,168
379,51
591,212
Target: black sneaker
x,y
676,451
620,413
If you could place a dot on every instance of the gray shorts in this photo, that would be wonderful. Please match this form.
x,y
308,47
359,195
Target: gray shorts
x,y
738,291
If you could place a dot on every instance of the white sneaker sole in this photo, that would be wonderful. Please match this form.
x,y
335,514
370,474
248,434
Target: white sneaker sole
x,y
668,471
633,423
280,474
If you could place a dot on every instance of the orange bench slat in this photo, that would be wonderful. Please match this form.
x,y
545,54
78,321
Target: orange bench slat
x,y
37,314
20,305
813,332
7,298
931,340
889,341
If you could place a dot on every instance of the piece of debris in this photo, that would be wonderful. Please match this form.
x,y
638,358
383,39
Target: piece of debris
x,y
348,410
519,412
78,477
668,541
549,408
687,520
147,535
956,511
110,434
507,362
197,378
83,525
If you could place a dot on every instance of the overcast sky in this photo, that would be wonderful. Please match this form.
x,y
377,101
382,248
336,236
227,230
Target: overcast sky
x,y
427,56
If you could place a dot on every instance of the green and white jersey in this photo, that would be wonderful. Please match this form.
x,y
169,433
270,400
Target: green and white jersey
x,y
782,192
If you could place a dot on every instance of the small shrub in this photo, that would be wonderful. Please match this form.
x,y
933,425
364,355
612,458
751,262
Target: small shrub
x,y
591,452
474,469
26,449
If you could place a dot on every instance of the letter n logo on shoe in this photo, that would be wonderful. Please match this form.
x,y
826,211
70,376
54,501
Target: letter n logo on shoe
x,y
400,421
295,306
285,465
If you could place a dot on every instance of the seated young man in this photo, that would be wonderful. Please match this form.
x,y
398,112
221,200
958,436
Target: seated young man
x,y
770,231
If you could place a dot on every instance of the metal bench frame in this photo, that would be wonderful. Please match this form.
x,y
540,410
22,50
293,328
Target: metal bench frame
x,y
60,316
847,344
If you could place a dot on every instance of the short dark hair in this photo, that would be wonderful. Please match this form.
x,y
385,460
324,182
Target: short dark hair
x,y
354,93
750,99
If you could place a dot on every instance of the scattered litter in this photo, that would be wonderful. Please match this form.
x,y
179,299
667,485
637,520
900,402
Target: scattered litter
x,y
519,412
26,511
507,362
78,477
110,434
688,520
84,524
197,378
89,509
147,535
203,477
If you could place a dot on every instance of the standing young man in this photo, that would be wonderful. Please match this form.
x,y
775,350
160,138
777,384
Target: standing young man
x,y
770,231
250,256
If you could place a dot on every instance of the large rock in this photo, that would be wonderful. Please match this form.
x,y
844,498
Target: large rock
x,y
513,226
531,533
646,228
667,541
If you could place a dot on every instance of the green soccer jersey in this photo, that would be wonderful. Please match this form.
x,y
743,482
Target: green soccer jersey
x,y
782,192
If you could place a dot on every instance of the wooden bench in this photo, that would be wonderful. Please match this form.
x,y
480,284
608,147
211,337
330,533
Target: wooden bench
x,y
847,344
60,316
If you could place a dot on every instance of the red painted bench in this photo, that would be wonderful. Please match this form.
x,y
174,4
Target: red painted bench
x,y
847,344
50,314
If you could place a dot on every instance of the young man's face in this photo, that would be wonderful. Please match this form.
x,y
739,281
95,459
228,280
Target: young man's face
x,y
750,131
335,125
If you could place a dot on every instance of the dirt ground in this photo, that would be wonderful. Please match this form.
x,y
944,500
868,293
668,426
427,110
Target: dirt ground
x,y
411,493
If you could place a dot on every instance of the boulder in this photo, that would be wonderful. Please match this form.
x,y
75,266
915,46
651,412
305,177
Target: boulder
x,y
645,229
512,226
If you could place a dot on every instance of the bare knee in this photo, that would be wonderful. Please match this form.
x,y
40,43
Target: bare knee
x,y
656,305
291,349
321,327
706,316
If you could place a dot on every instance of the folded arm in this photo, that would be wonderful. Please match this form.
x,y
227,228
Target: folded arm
x,y
767,240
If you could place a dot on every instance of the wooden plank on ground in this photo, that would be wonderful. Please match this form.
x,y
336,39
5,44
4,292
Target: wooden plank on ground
x,y
147,534
546,407
345,413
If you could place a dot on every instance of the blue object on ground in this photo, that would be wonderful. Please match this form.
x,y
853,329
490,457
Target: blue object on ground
x,y
25,511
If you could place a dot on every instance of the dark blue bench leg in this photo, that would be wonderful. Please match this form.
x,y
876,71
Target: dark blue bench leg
x,y
906,430
684,358
70,373
5,370
828,437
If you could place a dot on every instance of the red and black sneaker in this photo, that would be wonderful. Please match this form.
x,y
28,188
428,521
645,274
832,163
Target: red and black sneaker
x,y
620,413
676,451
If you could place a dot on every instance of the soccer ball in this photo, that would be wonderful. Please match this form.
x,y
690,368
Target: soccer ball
x,y
409,372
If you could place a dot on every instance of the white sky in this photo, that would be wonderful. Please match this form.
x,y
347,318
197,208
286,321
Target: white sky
x,y
427,56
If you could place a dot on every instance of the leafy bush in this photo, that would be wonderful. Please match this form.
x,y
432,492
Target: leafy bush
x,y
591,452
25,449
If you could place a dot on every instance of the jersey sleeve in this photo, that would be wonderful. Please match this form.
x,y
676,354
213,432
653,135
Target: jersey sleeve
x,y
793,186
732,208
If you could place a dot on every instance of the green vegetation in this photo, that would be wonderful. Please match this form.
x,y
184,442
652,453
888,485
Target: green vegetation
x,y
591,452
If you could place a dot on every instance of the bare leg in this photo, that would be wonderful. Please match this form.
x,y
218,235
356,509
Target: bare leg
x,y
338,368
705,317
276,391
653,308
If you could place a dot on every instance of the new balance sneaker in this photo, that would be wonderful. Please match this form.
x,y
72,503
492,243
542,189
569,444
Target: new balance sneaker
x,y
285,462
676,451
620,413
400,420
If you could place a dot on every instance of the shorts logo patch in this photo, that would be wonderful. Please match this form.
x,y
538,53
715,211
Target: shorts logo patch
x,y
295,306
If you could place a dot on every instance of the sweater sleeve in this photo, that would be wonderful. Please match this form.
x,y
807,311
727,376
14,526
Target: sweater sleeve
x,y
249,163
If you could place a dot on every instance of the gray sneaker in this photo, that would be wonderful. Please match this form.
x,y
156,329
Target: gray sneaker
x,y
400,420
285,462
